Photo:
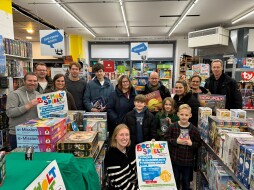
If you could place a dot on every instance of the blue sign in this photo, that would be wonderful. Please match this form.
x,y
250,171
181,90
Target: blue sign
x,y
149,173
53,38
139,48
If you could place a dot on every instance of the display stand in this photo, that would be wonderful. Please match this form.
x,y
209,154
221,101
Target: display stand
x,y
200,174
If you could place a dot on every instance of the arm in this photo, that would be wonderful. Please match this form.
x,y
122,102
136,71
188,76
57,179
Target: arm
x,y
170,135
237,96
71,102
111,105
87,98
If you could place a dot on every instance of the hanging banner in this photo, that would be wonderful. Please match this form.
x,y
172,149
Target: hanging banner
x,y
49,179
154,166
247,75
109,66
51,102
52,42
139,51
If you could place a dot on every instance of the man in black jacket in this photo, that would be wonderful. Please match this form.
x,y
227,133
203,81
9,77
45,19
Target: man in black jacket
x,y
220,83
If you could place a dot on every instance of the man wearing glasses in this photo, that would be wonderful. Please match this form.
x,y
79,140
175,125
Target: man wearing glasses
x,y
45,83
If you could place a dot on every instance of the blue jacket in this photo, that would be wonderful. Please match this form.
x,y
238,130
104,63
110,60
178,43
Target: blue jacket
x,y
118,106
94,90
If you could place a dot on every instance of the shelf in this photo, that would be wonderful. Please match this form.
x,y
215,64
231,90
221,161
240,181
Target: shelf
x,y
100,144
210,150
16,56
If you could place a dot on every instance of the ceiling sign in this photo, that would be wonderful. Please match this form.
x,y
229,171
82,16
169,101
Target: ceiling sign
x,y
139,51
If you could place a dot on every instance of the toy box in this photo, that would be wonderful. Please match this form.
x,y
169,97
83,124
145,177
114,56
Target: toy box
x,y
39,147
82,153
41,126
251,182
223,113
3,138
222,178
58,114
238,113
101,115
213,101
213,124
203,114
2,167
243,124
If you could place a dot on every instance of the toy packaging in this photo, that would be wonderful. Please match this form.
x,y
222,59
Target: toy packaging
x,y
238,113
223,113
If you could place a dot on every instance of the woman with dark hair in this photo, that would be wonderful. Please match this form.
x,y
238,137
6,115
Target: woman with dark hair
x,y
121,101
59,84
196,89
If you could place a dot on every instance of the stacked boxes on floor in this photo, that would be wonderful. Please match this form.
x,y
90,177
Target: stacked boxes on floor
x,y
42,134
203,114
80,143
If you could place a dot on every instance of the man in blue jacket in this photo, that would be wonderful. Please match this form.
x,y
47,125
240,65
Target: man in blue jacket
x,y
98,88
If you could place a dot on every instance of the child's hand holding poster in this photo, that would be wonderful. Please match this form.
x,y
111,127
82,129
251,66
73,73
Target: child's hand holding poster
x,y
51,102
154,166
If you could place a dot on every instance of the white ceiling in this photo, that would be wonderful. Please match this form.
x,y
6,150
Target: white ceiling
x,y
143,17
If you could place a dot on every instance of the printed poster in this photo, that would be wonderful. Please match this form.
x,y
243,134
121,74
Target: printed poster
x,y
154,166
49,179
139,51
154,101
51,102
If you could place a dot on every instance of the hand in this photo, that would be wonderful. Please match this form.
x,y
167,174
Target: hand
x,y
95,110
180,141
153,140
31,104
168,120
189,142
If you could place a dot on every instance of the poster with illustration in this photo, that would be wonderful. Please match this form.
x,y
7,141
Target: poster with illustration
x,y
51,102
49,179
154,166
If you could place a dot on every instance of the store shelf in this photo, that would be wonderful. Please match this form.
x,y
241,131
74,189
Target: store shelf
x,y
210,150
16,56
100,144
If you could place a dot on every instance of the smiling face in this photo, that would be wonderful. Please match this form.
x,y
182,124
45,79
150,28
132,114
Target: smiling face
x,y
195,83
125,84
217,69
30,83
100,75
168,106
179,89
184,116
139,105
154,79
60,83
74,71
122,138
41,71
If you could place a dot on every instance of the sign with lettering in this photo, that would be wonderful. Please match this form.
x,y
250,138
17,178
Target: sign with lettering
x,y
51,102
49,179
139,51
247,75
154,166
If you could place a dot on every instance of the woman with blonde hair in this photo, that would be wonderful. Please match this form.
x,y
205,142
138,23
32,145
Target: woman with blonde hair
x,y
120,161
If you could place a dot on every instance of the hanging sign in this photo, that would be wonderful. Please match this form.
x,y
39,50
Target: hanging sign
x,y
109,66
154,166
139,51
52,42
247,75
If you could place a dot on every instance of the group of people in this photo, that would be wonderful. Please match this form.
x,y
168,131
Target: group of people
x,y
129,120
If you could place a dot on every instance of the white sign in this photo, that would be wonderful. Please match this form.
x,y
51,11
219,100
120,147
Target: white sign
x,y
154,166
51,102
52,42
139,51
49,179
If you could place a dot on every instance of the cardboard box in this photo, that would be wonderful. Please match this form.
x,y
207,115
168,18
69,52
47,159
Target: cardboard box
x,y
3,138
39,147
223,113
101,115
238,113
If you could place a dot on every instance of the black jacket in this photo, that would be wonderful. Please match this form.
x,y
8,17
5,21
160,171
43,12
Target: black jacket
x,y
193,102
203,91
118,106
226,86
148,124
164,92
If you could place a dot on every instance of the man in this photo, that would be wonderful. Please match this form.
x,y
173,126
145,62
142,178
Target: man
x,y
154,84
99,87
220,83
21,105
75,85
44,81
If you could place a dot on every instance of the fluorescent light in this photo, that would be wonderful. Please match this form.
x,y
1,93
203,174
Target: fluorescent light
x,y
29,37
184,14
243,15
124,17
74,17
30,31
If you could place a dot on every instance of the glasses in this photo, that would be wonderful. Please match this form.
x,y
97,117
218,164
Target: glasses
x,y
125,81
154,78
195,81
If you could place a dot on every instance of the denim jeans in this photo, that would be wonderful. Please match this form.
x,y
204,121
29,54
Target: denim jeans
x,y
13,141
185,172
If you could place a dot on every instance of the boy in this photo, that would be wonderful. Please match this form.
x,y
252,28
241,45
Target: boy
x,y
184,139
140,121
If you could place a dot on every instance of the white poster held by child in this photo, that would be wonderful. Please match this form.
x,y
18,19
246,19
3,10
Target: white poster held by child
x,y
49,179
51,102
154,166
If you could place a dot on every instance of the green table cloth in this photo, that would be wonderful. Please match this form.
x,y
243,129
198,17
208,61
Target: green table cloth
x,y
77,173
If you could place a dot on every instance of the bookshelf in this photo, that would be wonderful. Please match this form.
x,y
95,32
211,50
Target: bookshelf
x,y
186,63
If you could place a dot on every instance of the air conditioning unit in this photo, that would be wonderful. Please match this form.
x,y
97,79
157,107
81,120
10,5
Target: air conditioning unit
x,y
208,37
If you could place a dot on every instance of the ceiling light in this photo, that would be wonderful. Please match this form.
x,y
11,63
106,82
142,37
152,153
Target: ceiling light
x,y
29,37
184,14
74,17
243,15
30,31
124,17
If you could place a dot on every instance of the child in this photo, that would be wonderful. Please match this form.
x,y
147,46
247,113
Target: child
x,y
184,139
166,117
140,121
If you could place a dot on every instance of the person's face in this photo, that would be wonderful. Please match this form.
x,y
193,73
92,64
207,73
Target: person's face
x,y
74,71
179,89
99,74
139,105
41,71
217,69
154,79
60,83
195,83
125,83
184,115
122,138
31,83
168,106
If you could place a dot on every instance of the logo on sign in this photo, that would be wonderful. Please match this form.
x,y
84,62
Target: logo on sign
x,y
247,75
138,49
53,38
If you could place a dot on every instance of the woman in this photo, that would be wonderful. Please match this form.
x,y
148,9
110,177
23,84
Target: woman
x,y
195,82
120,161
59,84
121,101
184,96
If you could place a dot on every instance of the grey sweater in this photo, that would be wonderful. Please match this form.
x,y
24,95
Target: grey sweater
x,y
15,108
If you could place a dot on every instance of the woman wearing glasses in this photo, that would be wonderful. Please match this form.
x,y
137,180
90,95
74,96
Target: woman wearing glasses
x,y
196,89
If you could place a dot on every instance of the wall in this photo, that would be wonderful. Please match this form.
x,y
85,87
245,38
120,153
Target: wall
x,y
37,52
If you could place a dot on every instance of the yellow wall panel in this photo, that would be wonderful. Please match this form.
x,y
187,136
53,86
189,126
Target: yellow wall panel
x,y
76,47
6,6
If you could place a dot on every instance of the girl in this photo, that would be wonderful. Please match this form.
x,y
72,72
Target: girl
x,y
165,117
